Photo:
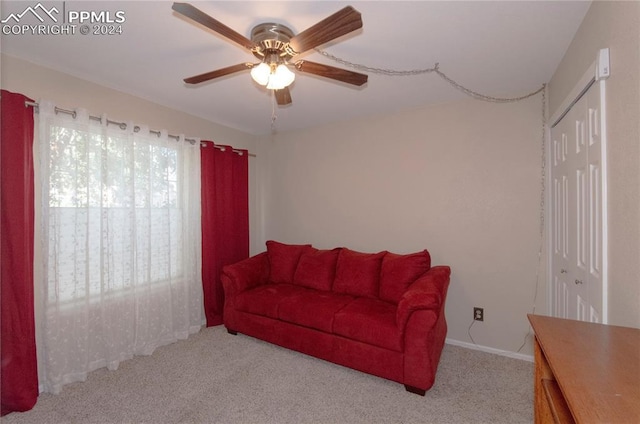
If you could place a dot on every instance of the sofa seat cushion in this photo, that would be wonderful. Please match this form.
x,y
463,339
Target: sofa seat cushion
x,y
370,321
314,309
264,300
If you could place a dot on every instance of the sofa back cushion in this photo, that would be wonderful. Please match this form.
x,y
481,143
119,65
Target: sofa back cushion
x,y
357,273
399,271
283,260
317,269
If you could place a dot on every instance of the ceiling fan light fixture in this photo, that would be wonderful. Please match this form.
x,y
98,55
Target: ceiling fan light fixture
x,y
281,78
274,76
261,73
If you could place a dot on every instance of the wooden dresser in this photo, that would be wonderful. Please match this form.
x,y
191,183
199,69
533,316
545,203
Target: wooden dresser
x,y
585,372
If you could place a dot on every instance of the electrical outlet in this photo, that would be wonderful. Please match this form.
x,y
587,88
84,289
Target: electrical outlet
x,y
478,314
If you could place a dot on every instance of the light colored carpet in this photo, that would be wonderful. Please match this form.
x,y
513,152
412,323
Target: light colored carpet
x,y
214,377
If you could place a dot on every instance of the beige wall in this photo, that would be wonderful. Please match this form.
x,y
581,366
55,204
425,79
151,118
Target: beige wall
x,y
461,179
69,92
615,25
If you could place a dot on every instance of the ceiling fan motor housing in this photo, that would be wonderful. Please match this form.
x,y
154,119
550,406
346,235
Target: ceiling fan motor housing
x,y
270,38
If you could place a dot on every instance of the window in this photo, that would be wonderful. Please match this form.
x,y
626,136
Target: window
x,y
120,241
116,216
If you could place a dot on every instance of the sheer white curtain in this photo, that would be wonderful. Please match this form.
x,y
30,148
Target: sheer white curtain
x,y
121,243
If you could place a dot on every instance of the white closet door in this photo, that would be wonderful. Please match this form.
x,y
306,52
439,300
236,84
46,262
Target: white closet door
x,y
563,214
597,206
578,200
577,207
579,302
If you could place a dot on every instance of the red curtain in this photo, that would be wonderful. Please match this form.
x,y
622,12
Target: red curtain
x,y
225,220
19,381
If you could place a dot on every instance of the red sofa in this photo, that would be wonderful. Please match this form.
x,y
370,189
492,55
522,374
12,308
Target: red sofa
x,y
380,313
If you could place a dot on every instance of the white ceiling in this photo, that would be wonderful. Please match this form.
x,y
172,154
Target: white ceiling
x,y
498,48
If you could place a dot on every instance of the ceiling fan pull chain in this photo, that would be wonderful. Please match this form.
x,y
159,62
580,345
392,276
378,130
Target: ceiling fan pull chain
x,y
274,113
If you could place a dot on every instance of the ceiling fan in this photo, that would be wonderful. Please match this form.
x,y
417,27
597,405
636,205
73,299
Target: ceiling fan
x,y
276,45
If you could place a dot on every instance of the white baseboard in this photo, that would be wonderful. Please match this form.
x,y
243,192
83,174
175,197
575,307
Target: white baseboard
x,y
487,349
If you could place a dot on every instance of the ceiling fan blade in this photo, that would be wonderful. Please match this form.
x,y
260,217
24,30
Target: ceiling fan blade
x,y
200,17
283,97
340,23
218,73
327,71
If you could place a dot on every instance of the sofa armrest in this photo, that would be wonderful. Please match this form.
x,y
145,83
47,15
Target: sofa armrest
x,y
243,275
427,292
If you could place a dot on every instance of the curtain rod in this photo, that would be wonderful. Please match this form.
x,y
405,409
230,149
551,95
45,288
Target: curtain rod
x,y
123,125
